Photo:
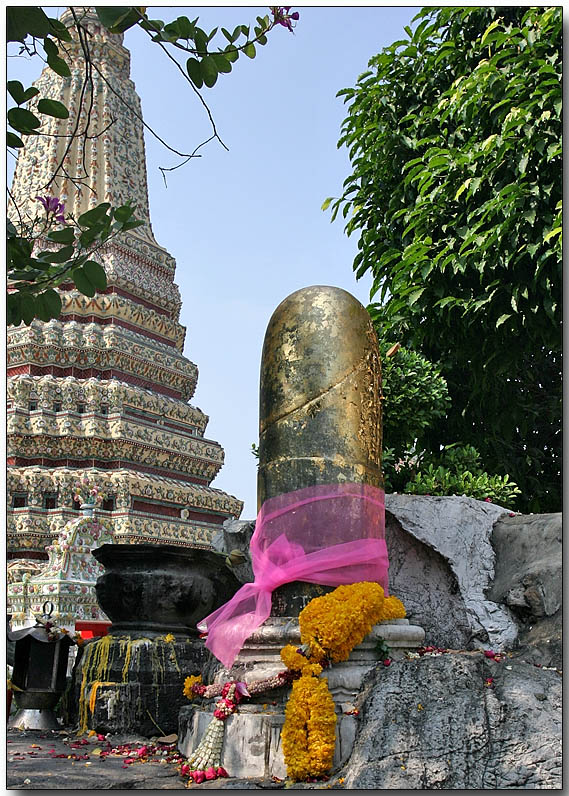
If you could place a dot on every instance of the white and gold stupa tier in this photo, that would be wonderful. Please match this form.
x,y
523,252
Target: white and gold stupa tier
x,y
104,389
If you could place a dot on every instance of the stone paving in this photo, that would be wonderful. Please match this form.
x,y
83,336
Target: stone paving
x,y
60,760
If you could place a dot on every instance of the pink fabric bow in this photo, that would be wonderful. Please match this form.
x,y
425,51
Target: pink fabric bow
x,y
329,534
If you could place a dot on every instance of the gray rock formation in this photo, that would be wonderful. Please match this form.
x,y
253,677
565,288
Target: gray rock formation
x,y
528,564
236,535
528,580
432,723
442,564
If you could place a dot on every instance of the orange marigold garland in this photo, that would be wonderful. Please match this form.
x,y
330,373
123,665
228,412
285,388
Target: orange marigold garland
x,y
330,627
309,732
334,624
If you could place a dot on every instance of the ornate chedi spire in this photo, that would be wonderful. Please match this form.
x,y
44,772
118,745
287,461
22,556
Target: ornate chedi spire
x,y
105,388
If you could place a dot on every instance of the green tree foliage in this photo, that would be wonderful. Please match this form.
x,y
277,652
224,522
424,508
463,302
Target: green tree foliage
x,y
32,274
457,470
415,396
454,136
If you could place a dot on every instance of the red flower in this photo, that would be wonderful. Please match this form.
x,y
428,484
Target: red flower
x,y
197,776
387,662
489,653
221,772
210,773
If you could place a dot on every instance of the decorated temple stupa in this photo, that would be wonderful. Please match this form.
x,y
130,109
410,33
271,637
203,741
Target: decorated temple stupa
x,y
103,390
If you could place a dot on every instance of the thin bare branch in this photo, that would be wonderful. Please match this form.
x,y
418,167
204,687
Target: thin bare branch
x,y
195,90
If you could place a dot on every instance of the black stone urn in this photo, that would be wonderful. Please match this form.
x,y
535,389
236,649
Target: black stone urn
x,y
157,589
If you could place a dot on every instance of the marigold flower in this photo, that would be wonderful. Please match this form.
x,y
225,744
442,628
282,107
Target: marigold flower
x,y
308,735
337,622
189,682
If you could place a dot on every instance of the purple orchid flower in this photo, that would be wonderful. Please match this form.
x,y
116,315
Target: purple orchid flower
x,y
283,16
51,204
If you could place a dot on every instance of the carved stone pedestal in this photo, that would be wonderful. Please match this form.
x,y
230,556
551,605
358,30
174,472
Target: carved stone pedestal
x,y
135,685
252,745
132,680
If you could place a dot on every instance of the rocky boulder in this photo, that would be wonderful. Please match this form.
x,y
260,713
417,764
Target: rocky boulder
x,y
442,723
528,580
442,564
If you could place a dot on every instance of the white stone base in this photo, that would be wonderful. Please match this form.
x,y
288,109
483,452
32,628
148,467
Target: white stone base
x,y
252,744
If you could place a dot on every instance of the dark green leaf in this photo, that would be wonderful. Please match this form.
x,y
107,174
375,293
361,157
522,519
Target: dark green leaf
x,y
60,256
53,108
23,121
231,53
117,19
29,275
13,140
200,39
18,93
123,213
194,71
48,305
152,24
209,71
58,29
83,283
221,62
59,66
14,308
249,50
65,235
126,225
95,273
184,27
50,47
19,251
22,21
28,308
95,216
88,236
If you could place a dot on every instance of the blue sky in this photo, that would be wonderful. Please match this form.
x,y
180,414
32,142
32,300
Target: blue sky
x,y
245,226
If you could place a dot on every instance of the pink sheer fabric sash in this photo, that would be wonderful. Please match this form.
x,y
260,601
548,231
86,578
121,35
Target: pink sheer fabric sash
x,y
327,534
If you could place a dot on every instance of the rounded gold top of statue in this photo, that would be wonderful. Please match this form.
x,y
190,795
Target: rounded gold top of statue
x,y
315,338
320,387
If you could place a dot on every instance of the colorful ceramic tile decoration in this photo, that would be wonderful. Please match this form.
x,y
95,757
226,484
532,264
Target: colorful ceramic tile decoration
x,y
103,390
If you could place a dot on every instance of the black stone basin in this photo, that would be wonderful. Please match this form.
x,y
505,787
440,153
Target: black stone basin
x,y
157,589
